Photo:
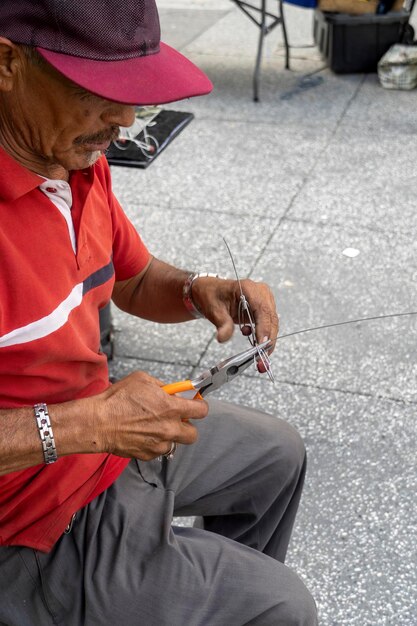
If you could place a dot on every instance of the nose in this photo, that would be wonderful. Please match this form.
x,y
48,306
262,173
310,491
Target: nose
x,y
119,114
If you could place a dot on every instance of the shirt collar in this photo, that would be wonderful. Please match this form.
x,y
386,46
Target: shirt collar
x,y
16,180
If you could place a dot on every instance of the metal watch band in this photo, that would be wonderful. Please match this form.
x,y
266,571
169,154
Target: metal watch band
x,y
187,292
45,433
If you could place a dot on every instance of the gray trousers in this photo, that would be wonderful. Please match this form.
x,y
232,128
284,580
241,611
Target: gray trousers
x,y
124,564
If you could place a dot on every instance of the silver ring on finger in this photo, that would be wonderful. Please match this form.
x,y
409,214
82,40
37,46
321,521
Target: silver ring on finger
x,y
170,454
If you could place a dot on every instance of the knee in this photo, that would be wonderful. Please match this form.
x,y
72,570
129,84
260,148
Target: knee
x,y
302,611
297,607
291,602
289,451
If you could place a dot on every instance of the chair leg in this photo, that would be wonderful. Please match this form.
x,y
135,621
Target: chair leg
x,y
284,32
262,34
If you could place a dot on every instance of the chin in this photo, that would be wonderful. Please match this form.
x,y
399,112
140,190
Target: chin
x,y
81,161
92,157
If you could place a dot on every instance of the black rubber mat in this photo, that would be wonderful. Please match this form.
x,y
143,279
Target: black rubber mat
x,y
164,128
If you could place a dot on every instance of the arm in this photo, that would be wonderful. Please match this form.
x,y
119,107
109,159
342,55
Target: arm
x,y
135,417
156,294
132,418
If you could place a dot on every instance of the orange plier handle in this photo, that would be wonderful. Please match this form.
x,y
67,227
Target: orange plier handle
x,y
179,387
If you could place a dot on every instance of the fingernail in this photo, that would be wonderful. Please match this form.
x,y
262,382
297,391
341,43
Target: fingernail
x,y
262,368
266,338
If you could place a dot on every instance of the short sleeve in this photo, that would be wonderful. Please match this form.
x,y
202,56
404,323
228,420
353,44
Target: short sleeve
x,y
130,255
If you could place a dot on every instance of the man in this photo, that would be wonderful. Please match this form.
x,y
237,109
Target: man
x,y
86,503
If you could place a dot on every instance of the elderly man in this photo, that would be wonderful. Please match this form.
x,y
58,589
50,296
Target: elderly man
x,y
86,503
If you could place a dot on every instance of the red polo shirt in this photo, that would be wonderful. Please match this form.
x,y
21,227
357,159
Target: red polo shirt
x,y
49,332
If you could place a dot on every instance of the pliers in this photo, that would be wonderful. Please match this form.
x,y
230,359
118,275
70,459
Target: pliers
x,y
221,373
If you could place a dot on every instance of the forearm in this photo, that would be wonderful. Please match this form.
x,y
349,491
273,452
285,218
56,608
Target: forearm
x,y
74,429
157,295
133,418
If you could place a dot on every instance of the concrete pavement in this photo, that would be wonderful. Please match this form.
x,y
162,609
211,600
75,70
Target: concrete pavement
x,y
320,165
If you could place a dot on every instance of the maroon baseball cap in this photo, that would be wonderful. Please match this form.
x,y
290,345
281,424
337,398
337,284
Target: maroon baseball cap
x,y
111,48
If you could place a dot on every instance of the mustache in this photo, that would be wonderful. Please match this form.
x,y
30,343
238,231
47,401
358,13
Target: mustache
x,y
109,134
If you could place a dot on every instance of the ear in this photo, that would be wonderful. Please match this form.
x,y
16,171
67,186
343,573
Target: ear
x,y
10,60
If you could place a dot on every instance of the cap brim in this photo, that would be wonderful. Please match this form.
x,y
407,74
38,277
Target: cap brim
x,y
158,78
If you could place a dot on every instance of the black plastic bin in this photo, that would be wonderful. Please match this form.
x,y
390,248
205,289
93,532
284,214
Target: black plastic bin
x,y
355,43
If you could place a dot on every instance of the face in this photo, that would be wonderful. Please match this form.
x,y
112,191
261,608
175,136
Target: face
x,y
51,124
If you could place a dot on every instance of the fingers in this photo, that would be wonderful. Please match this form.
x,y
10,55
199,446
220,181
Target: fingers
x,y
225,326
181,432
139,419
219,300
263,308
176,432
189,409
216,298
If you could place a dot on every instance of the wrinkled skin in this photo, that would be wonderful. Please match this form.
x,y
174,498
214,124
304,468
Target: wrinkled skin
x,y
51,126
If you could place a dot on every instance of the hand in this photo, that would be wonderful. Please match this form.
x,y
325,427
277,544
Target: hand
x,y
218,300
137,419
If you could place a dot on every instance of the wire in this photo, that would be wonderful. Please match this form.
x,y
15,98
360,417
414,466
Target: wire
x,y
234,266
361,319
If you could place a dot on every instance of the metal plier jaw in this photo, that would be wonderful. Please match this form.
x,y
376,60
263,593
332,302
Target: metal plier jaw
x,y
221,373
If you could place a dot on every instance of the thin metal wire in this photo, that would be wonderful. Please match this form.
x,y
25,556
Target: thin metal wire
x,y
244,309
234,266
360,319
126,137
243,303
